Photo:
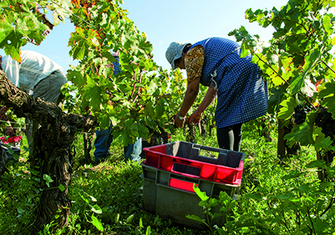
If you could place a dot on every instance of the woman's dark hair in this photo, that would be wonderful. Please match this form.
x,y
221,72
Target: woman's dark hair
x,y
186,48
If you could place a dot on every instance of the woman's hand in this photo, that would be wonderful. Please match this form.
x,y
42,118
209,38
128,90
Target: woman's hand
x,y
178,122
196,117
3,111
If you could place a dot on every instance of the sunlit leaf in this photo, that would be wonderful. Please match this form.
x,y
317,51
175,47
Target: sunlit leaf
x,y
130,218
310,61
327,24
196,218
96,209
5,30
148,231
47,179
97,223
61,187
287,108
200,194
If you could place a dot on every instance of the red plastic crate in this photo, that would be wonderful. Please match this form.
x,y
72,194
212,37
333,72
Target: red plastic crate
x,y
156,156
181,184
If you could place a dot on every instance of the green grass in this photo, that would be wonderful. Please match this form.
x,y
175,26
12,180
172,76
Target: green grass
x,y
111,192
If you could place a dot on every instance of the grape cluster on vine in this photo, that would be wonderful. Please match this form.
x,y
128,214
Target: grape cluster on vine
x,y
300,113
325,120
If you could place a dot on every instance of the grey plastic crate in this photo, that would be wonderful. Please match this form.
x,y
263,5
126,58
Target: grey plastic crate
x,y
175,203
15,150
192,151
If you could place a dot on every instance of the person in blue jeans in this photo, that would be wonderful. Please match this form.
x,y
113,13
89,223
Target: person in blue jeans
x,y
104,138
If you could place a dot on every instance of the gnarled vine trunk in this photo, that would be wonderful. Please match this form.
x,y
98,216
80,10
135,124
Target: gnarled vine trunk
x,y
283,149
51,151
327,157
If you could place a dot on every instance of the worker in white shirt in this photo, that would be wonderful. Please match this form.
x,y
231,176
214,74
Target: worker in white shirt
x,y
36,74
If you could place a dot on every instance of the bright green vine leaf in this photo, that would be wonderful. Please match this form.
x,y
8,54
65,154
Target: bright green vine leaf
x,y
287,108
61,187
12,45
327,24
76,77
94,96
5,30
310,63
148,231
96,222
201,195
47,179
329,97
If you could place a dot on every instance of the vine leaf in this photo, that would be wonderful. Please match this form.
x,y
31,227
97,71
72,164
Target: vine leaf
x,y
96,209
5,30
287,108
96,222
275,99
200,194
76,77
47,179
325,143
302,135
316,164
284,196
327,24
196,218
94,96
12,45
329,96
310,62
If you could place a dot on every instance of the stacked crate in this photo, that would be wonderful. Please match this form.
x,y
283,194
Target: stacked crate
x,y
170,170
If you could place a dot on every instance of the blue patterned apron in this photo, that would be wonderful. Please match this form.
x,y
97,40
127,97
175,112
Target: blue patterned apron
x,y
242,93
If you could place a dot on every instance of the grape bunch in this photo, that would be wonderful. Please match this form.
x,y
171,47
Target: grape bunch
x,y
326,122
300,113
5,118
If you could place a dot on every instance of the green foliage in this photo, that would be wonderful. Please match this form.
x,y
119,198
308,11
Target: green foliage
x,y
142,95
298,57
328,96
276,197
21,21
207,203
104,197
19,194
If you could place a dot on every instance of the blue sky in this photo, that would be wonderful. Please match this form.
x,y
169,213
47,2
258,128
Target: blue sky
x,y
167,21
